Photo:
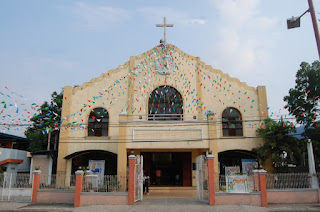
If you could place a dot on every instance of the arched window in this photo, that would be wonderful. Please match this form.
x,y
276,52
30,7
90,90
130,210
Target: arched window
x,y
98,122
165,104
231,122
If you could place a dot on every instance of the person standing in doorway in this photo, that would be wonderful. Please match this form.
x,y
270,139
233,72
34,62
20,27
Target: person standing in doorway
x,y
158,176
146,181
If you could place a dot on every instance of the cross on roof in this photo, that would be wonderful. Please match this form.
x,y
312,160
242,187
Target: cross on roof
x,y
164,25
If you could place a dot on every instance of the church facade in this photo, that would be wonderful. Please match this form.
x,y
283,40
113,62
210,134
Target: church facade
x,y
169,107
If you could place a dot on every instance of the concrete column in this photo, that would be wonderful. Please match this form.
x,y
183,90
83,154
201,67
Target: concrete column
x,y
199,87
312,166
213,145
132,163
256,180
64,134
35,185
263,187
212,194
122,149
78,188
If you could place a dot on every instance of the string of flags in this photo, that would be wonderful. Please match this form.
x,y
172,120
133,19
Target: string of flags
x,y
145,80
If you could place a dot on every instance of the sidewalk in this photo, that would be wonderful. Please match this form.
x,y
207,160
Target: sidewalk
x,y
164,206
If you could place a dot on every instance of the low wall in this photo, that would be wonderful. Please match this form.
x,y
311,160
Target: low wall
x,y
55,196
252,198
303,195
25,192
103,198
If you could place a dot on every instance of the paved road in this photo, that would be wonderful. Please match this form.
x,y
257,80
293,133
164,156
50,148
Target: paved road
x,y
166,206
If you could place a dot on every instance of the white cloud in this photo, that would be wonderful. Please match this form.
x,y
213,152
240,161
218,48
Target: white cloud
x,y
97,16
244,36
154,14
198,21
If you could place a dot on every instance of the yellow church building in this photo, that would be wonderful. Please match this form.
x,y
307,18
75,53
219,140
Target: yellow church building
x,y
169,107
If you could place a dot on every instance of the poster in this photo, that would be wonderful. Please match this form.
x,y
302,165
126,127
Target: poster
x,y
232,170
237,184
97,168
248,165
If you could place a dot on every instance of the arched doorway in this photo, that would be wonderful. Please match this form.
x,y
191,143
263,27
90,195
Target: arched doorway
x,y
165,104
236,158
82,159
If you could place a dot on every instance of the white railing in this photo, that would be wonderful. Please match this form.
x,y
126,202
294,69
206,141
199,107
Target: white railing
x,y
165,117
61,182
288,180
222,183
16,187
107,183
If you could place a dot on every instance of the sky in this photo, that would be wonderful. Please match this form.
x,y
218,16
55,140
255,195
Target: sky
x,y
46,45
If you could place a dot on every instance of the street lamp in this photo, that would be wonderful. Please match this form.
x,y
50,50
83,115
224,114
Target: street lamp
x,y
295,22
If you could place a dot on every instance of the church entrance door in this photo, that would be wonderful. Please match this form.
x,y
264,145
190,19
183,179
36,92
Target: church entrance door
x,y
168,168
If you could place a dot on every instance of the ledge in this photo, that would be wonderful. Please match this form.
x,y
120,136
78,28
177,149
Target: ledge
x,y
106,193
56,190
233,137
225,193
97,138
291,189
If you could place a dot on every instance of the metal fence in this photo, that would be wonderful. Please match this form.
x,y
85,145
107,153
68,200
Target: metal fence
x,y
288,180
222,183
107,183
16,187
63,182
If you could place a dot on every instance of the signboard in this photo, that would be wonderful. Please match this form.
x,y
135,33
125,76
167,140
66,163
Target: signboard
x,y
97,168
232,170
237,184
248,165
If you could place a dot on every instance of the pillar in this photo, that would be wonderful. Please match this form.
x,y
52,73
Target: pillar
x,y
122,149
132,163
64,133
212,194
78,188
256,180
35,185
260,176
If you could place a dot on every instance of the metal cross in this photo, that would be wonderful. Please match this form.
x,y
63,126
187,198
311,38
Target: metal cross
x,y
164,25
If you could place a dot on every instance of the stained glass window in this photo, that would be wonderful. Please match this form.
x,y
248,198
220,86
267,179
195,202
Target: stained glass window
x,y
98,122
165,104
232,122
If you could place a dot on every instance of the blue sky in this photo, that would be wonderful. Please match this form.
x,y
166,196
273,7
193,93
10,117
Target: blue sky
x,y
46,45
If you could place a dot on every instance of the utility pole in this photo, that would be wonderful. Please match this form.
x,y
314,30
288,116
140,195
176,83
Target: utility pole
x,y
312,167
49,138
315,25
295,22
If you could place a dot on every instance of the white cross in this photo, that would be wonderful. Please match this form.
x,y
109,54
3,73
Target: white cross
x,y
164,25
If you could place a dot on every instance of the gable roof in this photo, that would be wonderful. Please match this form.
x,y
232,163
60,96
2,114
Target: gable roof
x,y
7,137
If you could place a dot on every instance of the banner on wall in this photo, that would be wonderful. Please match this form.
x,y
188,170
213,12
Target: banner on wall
x,y
232,170
237,184
97,168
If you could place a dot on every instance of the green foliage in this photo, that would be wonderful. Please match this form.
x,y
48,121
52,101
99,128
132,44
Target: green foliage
x,y
304,100
279,145
48,118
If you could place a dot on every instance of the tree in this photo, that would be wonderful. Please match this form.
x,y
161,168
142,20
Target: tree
x,y
45,121
279,144
303,102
